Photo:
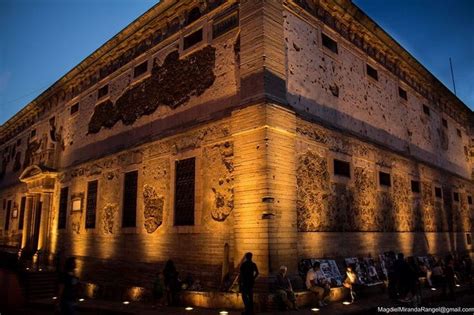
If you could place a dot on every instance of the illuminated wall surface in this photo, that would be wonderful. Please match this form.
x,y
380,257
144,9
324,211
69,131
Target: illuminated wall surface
x,y
264,104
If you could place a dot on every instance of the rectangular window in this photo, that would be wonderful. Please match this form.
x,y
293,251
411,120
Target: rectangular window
x,y
192,39
371,72
402,93
91,205
22,213
469,200
342,168
426,110
18,142
140,69
7,217
129,213
184,192
329,43
384,179
223,26
458,131
438,192
103,91
415,186
63,196
456,196
33,133
444,122
74,109
468,239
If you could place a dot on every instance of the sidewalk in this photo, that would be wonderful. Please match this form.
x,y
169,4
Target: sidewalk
x,y
465,298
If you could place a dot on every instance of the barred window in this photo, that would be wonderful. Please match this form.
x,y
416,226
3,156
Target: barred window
x,y
192,39
129,213
402,93
426,110
22,213
184,192
103,91
223,26
342,168
384,179
371,72
140,69
91,206
63,196
7,217
329,43
438,192
415,186
74,109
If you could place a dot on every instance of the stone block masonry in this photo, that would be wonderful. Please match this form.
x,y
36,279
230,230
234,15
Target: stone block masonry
x,y
302,145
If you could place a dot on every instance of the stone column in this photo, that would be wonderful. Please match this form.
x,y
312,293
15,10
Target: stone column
x,y
45,224
27,223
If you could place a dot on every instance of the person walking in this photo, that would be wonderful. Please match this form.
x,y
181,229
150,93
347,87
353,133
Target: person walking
x,y
172,283
68,288
248,274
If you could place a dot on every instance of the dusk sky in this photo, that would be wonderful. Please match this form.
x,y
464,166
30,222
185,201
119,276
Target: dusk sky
x,y
41,40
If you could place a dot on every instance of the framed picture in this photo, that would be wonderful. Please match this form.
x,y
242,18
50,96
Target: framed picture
x,y
76,201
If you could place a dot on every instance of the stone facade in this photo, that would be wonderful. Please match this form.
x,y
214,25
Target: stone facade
x,y
264,108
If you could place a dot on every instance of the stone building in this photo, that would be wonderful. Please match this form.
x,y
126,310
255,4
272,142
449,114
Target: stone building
x,y
205,129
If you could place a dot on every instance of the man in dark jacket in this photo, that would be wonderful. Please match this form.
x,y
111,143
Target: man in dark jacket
x,y
248,274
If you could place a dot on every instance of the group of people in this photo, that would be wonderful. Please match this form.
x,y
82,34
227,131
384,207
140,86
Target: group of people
x,y
404,275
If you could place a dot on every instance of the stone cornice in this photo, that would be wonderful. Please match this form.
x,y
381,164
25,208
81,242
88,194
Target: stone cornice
x,y
350,22
132,41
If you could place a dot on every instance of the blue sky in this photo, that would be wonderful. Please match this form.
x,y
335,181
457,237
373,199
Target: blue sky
x,y
41,40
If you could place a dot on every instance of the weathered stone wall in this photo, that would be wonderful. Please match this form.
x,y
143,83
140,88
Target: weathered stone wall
x,y
197,249
336,89
392,218
11,237
180,87
135,110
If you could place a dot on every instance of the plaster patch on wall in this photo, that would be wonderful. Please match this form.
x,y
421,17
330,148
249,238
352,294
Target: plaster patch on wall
x,y
76,219
364,200
312,179
220,179
108,217
172,84
153,205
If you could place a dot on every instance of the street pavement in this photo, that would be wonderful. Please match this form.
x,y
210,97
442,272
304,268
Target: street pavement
x,y
465,298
